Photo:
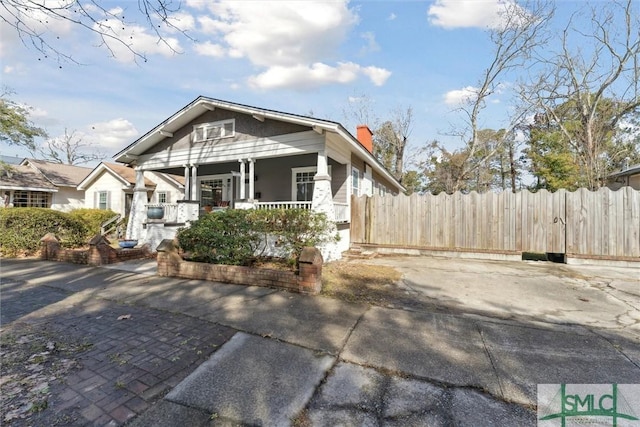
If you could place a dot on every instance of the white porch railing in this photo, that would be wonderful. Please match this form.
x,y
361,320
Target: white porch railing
x,y
170,211
283,205
342,212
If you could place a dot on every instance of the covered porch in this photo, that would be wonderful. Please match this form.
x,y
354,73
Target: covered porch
x,y
311,181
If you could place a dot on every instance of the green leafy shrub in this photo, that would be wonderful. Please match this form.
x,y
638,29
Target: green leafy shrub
x,y
236,236
295,228
224,237
92,219
22,229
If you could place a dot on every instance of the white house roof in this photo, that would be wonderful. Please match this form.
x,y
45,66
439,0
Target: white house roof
x,y
203,104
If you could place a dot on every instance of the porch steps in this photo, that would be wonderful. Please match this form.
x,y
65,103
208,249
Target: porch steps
x,y
356,252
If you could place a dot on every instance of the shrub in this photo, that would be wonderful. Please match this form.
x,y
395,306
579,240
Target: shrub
x,y
92,219
295,228
224,237
22,229
235,236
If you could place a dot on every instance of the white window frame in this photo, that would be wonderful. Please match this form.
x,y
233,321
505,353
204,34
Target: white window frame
x,y
106,200
294,183
358,188
160,194
214,130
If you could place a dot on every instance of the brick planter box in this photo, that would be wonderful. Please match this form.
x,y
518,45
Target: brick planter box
x,y
99,253
308,280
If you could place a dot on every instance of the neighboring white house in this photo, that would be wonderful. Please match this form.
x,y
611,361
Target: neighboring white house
x,y
246,157
110,186
37,183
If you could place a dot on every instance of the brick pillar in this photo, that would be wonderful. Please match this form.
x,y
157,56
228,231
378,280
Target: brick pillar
x,y
310,271
98,250
49,247
168,258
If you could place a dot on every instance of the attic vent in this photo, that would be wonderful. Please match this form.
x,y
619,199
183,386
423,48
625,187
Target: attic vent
x,y
215,130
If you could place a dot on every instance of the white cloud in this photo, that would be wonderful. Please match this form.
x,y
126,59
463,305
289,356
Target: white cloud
x,y
317,74
469,13
35,18
209,49
372,45
392,17
134,38
460,96
113,134
292,42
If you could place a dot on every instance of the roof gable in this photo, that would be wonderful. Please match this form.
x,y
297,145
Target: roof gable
x,y
125,174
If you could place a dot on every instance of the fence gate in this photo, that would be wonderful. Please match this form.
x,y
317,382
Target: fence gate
x,y
542,218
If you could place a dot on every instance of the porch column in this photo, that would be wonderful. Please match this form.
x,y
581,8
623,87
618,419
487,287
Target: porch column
x,y
251,176
187,183
242,192
138,212
193,192
322,200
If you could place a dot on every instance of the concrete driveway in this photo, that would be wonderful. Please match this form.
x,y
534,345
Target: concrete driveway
x,y
591,296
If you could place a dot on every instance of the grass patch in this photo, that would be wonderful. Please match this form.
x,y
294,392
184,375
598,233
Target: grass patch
x,y
358,282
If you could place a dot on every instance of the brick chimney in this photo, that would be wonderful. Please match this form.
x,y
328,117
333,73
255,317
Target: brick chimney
x,y
365,137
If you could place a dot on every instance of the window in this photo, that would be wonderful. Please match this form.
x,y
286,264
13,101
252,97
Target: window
x,y
31,199
103,201
355,181
163,197
209,131
211,191
303,184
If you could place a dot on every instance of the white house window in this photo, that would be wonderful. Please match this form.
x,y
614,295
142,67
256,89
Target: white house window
x,y
355,181
102,200
215,130
163,197
302,180
31,199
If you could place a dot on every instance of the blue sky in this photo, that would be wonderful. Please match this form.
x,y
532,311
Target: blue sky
x,y
294,56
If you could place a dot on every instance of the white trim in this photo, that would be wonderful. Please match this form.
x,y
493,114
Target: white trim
x,y
294,184
353,168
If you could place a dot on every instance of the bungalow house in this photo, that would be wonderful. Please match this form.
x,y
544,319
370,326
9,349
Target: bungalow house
x,y
110,186
628,176
237,156
37,183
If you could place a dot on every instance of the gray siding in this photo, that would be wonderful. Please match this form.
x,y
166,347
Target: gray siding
x,y
246,128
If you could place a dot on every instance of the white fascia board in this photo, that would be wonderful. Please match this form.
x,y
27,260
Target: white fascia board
x,y
13,187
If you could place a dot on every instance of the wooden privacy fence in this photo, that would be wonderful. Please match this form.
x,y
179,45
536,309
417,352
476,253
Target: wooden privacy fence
x,y
600,224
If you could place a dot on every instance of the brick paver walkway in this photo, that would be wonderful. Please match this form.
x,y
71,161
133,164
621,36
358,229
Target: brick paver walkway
x,y
134,354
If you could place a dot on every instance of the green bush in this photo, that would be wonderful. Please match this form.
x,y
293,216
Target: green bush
x,y
224,237
294,228
92,219
235,236
22,229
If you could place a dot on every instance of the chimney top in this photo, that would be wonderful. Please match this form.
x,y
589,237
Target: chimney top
x,y
364,136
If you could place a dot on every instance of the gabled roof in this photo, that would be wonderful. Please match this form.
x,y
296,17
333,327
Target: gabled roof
x,y
203,104
123,173
25,178
59,174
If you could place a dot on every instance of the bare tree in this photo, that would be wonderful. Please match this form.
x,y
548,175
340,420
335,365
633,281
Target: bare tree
x,y
32,20
522,30
391,138
70,149
590,85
